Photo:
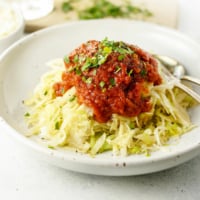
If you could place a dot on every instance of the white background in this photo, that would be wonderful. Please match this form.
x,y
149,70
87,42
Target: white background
x,y
24,177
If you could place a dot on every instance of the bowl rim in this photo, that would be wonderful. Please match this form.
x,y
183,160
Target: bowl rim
x,y
20,17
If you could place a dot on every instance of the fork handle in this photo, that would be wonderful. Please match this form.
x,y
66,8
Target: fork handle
x,y
188,91
191,79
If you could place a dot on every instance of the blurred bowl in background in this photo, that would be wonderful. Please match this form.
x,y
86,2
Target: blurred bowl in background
x,y
11,25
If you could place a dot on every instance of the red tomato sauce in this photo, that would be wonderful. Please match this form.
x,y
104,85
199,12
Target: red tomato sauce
x,y
110,77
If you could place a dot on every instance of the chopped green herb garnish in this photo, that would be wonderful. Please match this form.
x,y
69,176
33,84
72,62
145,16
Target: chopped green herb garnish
x,y
76,58
131,125
27,114
136,150
78,71
45,93
101,59
104,9
123,49
72,98
57,125
88,80
66,7
119,47
112,82
86,66
147,13
107,50
82,58
134,9
93,62
130,72
143,72
94,72
66,59
51,147
102,84
118,68
108,43
84,78
121,57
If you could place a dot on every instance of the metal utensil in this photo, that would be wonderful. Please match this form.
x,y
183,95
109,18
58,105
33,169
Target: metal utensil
x,y
176,68
176,81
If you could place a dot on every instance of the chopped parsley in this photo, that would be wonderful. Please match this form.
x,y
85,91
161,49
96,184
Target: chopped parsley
x,y
130,72
119,47
117,69
72,98
27,114
104,9
121,57
94,72
88,80
66,59
102,84
78,71
67,6
86,66
143,72
45,93
107,50
51,147
76,58
112,82
57,125
131,125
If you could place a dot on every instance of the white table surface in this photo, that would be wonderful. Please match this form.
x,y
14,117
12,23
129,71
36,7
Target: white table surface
x,y
24,177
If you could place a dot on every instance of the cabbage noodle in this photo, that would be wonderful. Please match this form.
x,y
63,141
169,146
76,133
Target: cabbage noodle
x,y
62,122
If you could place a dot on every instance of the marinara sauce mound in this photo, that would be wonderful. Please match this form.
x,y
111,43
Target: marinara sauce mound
x,y
110,77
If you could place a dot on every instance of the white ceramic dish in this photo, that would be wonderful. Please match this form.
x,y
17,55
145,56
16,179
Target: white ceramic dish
x,y
22,65
12,26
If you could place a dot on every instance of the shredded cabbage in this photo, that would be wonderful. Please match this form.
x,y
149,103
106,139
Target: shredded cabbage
x,y
62,122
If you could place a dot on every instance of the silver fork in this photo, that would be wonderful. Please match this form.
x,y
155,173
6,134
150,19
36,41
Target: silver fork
x,y
169,77
176,68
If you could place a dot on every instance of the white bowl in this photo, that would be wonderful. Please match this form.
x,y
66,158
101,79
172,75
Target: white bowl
x,y
14,33
22,65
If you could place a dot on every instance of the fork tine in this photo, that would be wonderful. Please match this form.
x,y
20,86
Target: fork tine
x,y
177,83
